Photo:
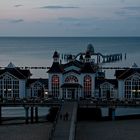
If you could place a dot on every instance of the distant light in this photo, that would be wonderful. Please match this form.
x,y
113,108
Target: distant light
x,y
46,92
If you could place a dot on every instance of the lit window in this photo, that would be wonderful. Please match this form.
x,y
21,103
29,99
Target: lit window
x,y
71,79
132,87
55,86
87,86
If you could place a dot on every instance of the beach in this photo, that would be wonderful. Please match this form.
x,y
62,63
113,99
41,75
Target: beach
x,y
108,130
39,131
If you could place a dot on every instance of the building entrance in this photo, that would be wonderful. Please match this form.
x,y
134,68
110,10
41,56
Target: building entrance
x,y
71,93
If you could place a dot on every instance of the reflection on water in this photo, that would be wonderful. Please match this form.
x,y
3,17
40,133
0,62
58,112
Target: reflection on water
x,y
20,112
122,111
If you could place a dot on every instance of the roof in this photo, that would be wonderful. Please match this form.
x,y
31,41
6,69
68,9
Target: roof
x,y
42,81
75,71
101,81
18,73
73,63
123,74
71,85
55,68
88,68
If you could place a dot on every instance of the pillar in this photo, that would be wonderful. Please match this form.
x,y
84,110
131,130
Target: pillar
x,y
32,114
36,114
111,113
0,115
26,115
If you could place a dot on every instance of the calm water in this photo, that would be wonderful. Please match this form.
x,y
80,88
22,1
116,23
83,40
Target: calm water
x,y
38,51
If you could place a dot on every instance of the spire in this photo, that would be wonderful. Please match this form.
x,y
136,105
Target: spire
x,y
56,57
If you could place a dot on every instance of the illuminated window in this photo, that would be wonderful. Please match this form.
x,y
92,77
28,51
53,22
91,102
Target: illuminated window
x,y
71,79
9,86
55,86
87,86
132,87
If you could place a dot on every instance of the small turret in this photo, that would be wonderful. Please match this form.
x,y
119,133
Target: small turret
x,y
70,58
56,57
87,56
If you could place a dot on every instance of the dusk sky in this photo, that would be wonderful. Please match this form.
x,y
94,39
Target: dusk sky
x,y
69,18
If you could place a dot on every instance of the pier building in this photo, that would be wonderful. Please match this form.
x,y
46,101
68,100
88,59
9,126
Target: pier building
x,y
81,76
72,77
13,82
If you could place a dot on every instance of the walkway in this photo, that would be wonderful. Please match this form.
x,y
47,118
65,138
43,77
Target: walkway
x,y
65,129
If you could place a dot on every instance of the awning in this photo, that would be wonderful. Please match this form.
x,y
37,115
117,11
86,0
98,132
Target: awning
x,y
71,85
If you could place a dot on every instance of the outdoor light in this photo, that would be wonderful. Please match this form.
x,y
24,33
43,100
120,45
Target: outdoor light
x,y
46,92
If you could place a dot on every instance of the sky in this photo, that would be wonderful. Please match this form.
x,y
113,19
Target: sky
x,y
56,18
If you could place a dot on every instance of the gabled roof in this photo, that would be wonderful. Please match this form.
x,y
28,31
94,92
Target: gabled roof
x,y
87,68
55,68
73,63
19,73
123,74
42,81
98,82
74,71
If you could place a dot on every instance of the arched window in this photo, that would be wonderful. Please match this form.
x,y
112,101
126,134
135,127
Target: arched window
x,y
87,86
9,87
107,91
132,87
71,79
55,86
37,90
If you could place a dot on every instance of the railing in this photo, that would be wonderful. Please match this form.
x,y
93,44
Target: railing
x,y
51,135
109,103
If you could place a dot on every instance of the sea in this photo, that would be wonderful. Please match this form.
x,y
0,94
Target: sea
x,y
38,51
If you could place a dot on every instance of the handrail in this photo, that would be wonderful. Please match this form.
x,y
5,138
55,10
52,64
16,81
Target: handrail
x,y
54,124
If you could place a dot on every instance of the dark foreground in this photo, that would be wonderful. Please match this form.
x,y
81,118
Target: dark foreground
x,y
108,130
38,131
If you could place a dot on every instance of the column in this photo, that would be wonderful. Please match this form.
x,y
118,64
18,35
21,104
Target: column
x,y
26,115
32,114
0,115
36,114
111,113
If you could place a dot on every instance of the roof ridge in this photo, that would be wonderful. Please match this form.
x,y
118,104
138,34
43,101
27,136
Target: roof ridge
x,y
124,72
19,72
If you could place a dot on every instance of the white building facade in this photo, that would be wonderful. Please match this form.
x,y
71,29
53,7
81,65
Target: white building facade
x,y
78,79
13,82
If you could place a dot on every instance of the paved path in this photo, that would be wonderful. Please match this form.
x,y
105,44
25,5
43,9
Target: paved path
x,y
65,129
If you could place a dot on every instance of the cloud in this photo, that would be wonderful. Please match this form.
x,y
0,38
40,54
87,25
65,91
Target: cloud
x,y
57,7
17,21
133,8
18,5
122,1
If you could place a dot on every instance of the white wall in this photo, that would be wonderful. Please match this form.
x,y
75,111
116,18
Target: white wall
x,y
22,88
120,89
